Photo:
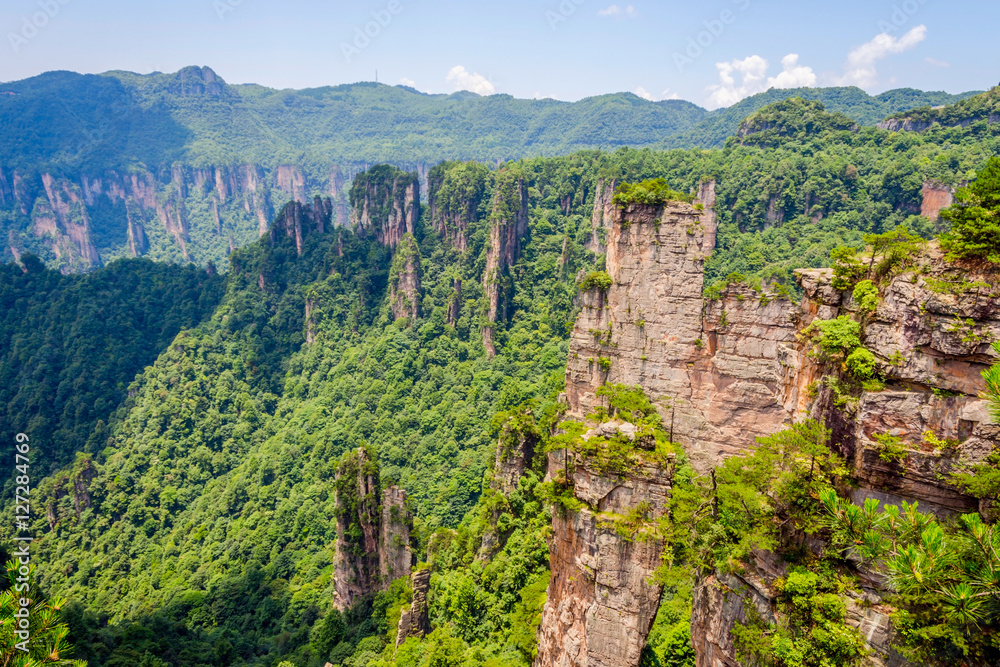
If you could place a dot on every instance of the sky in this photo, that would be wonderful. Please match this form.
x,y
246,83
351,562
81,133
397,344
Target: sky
x,y
712,53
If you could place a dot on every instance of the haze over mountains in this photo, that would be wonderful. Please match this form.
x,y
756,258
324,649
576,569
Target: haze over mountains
x,y
185,167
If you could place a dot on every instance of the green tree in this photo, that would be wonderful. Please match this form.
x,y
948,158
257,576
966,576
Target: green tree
x,y
975,218
46,639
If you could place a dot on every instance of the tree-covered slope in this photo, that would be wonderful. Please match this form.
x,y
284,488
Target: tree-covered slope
x,y
203,530
71,345
864,109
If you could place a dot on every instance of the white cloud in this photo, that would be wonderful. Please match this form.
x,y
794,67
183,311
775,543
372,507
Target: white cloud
x,y
619,12
862,61
943,64
665,95
751,71
463,79
408,82
752,74
793,75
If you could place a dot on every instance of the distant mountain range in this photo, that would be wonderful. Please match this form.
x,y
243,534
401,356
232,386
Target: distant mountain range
x,y
63,120
184,167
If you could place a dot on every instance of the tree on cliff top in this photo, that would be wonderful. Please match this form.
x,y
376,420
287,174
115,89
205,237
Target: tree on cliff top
x,y
975,218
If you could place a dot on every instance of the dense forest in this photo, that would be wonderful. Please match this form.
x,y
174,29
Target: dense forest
x,y
198,422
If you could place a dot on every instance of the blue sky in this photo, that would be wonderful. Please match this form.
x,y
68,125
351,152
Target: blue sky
x,y
711,53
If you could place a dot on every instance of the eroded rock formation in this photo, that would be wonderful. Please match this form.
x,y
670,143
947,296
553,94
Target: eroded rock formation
x,y
373,531
404,280
738,364
385,202
508,226
414,621
601,601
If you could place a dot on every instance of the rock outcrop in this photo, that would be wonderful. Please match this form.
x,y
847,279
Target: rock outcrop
x,y
508,226
935,198
373,531
723,371
385,203
455,193
601,602
414,621
404,280
738,363
296,221
241,203
603,216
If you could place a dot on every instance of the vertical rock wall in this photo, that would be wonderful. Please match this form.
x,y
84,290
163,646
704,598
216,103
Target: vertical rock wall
x,y
508,226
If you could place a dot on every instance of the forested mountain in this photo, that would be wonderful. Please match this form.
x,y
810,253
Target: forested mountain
x,y
185,167
351,397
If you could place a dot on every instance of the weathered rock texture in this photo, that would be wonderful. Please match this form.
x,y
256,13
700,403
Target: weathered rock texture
x,y
936,198
415,619
242,201
601,603
508,226
385,202
381,553
738,365
404,279
604,211
455,193
722,371
931,332
296,221
514,456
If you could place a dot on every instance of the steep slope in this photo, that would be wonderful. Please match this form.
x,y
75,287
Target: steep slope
x,y
71,345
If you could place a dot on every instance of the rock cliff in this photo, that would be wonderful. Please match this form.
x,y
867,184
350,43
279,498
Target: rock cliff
x,y
404,279
414,621
738,363
373,531
508,226
601,601
455,193
168,212
720,369
385,203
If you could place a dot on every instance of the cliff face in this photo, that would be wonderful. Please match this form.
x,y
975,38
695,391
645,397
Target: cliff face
x,y
385,202
738,364
600,602
723,366
404,279
296,221
414,621
455,192
935,198
167,212
508,226
373,532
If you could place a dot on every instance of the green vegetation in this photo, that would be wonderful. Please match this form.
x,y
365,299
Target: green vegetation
x,y
597,279
975,219
796,119
71,345
44,639
866,296
653,192
977,109
947,576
